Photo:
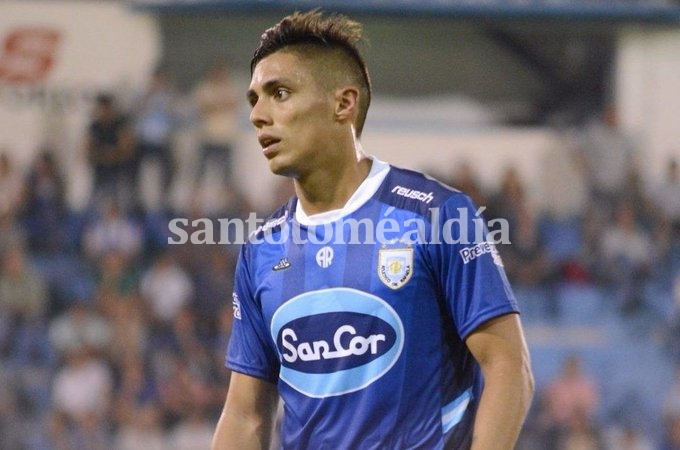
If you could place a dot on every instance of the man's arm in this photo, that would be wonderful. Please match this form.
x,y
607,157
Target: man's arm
x,y
248,413
499,347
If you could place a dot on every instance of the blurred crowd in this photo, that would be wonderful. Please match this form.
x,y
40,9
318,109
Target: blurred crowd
x,y
112,338
600,228
595,221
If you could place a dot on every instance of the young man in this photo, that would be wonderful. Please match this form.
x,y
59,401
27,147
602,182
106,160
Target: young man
x,y
353,303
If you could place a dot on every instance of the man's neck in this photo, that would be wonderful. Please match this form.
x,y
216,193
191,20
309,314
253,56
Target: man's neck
x,y
330,188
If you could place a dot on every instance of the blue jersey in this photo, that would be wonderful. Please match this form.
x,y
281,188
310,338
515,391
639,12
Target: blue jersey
x,y
360,315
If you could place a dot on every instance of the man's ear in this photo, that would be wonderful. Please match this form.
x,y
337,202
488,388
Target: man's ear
x,y
347,104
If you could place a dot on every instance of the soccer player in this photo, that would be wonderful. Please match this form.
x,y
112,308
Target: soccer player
x,y
368,302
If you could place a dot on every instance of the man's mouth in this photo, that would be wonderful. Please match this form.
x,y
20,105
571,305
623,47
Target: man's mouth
x,y
267,141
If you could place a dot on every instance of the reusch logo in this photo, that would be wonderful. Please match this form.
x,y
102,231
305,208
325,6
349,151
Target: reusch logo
x,y
425,197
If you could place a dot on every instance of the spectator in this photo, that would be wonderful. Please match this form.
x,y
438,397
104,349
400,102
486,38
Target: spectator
x,y
671,403
570,397
81,400
116,275
525,259
221,199
214,285
671,439
564,186
188,343
23,308
111,149
219,377
182,368
11,234
671,332
112,231
609,158
203,378
155,119
509,197
135,390
564,199
666,196
142,430
12,427
10,187
217,104
582,433
465,179
79,327
23,291
627,252
174,396
627,437
192,432
665,199
44,206
129,329
167,289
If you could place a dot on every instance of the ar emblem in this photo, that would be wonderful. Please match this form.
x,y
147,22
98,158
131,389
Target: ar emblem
x,y
324,257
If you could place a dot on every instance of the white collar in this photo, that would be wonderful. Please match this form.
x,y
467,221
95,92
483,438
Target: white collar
x,y
364,192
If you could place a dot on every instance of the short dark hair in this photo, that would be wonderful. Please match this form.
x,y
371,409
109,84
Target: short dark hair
x,y
333,33
104,99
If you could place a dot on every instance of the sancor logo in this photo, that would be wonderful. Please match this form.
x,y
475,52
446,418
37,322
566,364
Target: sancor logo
x,y
320,350
336,341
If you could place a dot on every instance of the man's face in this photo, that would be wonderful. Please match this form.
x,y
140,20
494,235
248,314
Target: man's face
x,y
105,112
292,113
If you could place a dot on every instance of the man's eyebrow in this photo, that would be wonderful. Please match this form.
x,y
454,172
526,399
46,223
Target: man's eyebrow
x,y
251,96
269,86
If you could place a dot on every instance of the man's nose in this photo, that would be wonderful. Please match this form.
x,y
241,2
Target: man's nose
x,y
259,116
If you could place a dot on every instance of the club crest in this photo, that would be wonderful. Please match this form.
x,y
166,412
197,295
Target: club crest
x,y
395,266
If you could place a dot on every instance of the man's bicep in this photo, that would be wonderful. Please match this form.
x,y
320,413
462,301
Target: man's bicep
x,y
499,339
250,396
247,418
499,347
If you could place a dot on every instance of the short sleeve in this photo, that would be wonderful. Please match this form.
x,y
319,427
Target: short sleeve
x,y
469,269
250,349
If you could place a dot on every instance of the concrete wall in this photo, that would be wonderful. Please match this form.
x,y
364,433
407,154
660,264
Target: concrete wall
x,y
648,94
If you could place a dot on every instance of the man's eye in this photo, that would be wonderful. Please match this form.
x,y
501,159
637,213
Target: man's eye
x,y
281,94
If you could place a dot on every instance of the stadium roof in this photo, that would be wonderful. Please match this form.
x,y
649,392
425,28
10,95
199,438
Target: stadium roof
x,y
618,10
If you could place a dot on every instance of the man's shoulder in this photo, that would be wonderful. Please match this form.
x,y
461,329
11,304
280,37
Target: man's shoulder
x,y
273,223
411,189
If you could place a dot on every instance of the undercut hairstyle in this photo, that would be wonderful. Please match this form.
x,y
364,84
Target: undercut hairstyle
x,y
333,39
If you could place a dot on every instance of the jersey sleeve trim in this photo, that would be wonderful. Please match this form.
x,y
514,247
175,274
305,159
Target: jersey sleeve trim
x,y
486,316
251,371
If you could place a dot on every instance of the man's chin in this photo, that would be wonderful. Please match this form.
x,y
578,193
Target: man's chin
x,y
278,168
